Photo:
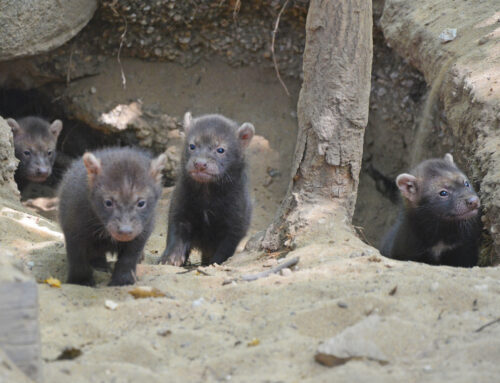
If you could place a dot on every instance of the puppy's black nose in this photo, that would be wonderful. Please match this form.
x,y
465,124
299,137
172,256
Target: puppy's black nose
x,y
473,202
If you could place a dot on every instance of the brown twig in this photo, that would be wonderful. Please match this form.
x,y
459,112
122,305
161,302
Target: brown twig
x,y
361,232
201,271
487,325
236,9
272,48
122,39
253,277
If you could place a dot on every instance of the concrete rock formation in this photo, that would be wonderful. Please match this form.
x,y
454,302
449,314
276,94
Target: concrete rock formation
x,y
28,28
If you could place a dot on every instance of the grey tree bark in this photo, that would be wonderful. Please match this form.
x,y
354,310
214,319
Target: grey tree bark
x,y
332,115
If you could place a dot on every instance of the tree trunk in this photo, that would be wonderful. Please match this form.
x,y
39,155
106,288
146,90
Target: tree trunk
x,y
332,114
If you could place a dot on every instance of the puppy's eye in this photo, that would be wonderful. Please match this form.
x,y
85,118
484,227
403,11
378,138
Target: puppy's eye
x,y
220,150
192,146
467,184
443,193
108,203
49,153
141,204
27,153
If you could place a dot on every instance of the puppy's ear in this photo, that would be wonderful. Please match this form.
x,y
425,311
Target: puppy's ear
x,y
407,184
16,129
188,122
156,167
245,134
449,158
93,166
56,127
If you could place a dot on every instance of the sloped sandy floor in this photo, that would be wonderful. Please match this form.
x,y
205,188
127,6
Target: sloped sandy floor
x,y
205,331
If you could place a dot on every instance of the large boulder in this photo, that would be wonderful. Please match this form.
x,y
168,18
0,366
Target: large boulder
x,y
28,27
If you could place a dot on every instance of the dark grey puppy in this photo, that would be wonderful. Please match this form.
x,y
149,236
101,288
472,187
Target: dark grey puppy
x,y
107,203
35,147
210,208
438,223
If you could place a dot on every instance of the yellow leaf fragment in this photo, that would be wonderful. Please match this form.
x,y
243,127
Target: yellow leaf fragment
x,y
146,292
53,282
253,342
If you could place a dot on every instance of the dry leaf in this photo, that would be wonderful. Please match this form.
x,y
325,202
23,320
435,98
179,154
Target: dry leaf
x,y
53,282
253,342
69,353
146,292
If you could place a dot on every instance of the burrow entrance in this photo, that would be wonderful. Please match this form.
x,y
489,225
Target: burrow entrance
x,y
160,94
398,97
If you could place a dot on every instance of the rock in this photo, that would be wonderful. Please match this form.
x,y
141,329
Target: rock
x,y
198,302
9,371
285,272
8,162
29,27
19,325
135,123
183,34
111,305
448,34
352,343
164,332
342,305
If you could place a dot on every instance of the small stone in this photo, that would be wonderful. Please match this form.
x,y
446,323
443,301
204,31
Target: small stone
x,y
342,305
352,343
285,272
198,302
483,40
93,90
111,305
164,332
448,34
273,172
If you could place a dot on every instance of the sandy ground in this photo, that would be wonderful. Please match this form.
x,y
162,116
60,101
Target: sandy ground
x,y
423,318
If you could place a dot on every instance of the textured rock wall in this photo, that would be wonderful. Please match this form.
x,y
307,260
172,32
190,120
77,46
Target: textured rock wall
x,y
8,162
32,27
464,77
172,30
